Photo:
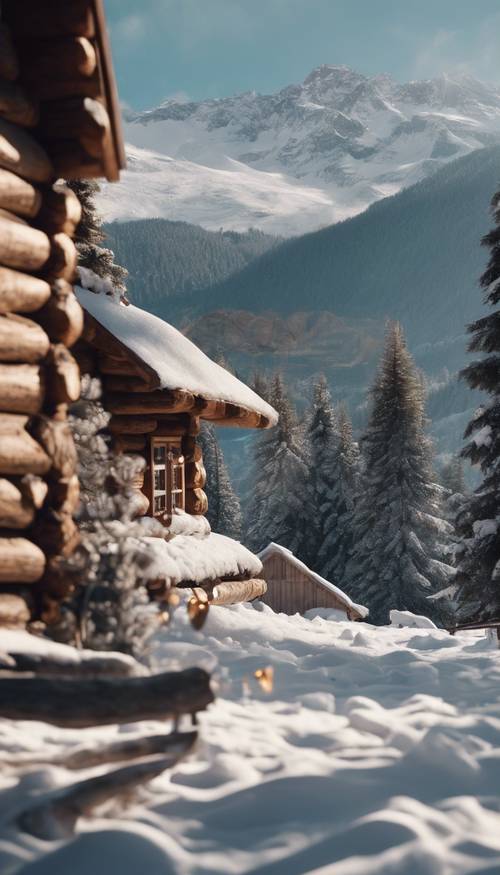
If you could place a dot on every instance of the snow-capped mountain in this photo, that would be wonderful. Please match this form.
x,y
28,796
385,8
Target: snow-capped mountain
x,y
308,155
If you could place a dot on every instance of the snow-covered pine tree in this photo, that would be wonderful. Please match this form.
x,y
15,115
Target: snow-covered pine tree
x,y
478,522
109,608
224,511
260,385
280,506
398,531
88,238
334,460
452,476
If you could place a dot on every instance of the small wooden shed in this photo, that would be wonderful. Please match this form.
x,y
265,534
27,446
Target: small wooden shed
x,y
59,117
292,588
158,386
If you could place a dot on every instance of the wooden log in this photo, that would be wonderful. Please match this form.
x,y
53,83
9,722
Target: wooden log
x,y
175,401
19,501
63,376
196,475
213,409
233,592
21,245
62,316
64,494
22,154
63,258
56,816
16,106
196,501
191,450
21,340
132,425
56,439
19,453
18,195
173,425
15,610
9,65
126,443
74,85
20,292
57,19
56,533
34,489
60,211
126,383
81,118
102,701
54,59
21,388
22,560
71,161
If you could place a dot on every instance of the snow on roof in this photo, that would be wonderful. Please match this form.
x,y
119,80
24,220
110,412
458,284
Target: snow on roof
x,y
273,548
186,558
178,362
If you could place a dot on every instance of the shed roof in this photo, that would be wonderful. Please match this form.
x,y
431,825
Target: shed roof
x,y
272,549
177,361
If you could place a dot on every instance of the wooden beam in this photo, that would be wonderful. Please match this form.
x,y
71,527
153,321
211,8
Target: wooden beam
x,y
16,106
175,401
21,340
18,195
19,453
22,560
21,388
233,592
85,702
42,20
20,292
21,245
22,154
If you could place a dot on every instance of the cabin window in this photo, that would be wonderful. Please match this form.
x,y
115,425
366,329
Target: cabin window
x,y
167,466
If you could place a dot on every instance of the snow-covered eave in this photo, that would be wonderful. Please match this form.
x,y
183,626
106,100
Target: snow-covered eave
x,y
273,548
176,361
190,559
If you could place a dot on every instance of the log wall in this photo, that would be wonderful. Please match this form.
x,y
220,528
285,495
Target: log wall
x,y
53,122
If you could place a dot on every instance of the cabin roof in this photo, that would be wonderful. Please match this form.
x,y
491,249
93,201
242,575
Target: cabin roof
x,y
273,549
177,361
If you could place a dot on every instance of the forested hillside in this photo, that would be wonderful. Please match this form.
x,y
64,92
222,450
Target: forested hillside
x,y
171,258
415,257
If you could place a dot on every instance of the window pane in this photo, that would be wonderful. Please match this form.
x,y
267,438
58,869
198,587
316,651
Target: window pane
x,y
159,454
160,503
160,480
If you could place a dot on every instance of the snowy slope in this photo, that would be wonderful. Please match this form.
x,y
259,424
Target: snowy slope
x,y
378,751
306,156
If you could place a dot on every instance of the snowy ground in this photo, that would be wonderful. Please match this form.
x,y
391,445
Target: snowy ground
x,y
378,751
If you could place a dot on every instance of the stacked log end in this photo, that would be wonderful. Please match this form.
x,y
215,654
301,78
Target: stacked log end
x,y
40,319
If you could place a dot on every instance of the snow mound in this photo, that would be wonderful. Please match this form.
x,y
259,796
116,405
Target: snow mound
x,y
411,621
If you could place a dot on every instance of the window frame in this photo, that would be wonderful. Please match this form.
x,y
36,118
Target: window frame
x,y
172,465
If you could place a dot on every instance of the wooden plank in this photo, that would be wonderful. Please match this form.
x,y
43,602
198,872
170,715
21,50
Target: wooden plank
x,y
22,246
18,195
22,561
21,339
22,154
114,155
20,292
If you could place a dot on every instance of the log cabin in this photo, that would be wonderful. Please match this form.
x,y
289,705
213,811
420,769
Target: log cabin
x,y
158,386
59,117
292,588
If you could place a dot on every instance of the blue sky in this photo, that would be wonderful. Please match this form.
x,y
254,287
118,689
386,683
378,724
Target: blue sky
x,y
212,48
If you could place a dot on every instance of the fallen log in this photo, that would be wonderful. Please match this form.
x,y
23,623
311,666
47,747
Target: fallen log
x,y
232,592
78,703
20,292
21,388
18,195
19,453
22,561
60,211
21,153
22,246
62,316
57,816
9,65
21,340
16,106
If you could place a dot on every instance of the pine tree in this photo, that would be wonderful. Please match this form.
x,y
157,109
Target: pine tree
x,y
224,511
89,236
479,568
452,476
397,558
335,469
280,507
260,385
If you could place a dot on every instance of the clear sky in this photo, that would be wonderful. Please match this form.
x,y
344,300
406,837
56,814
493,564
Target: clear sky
x,y
213,48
